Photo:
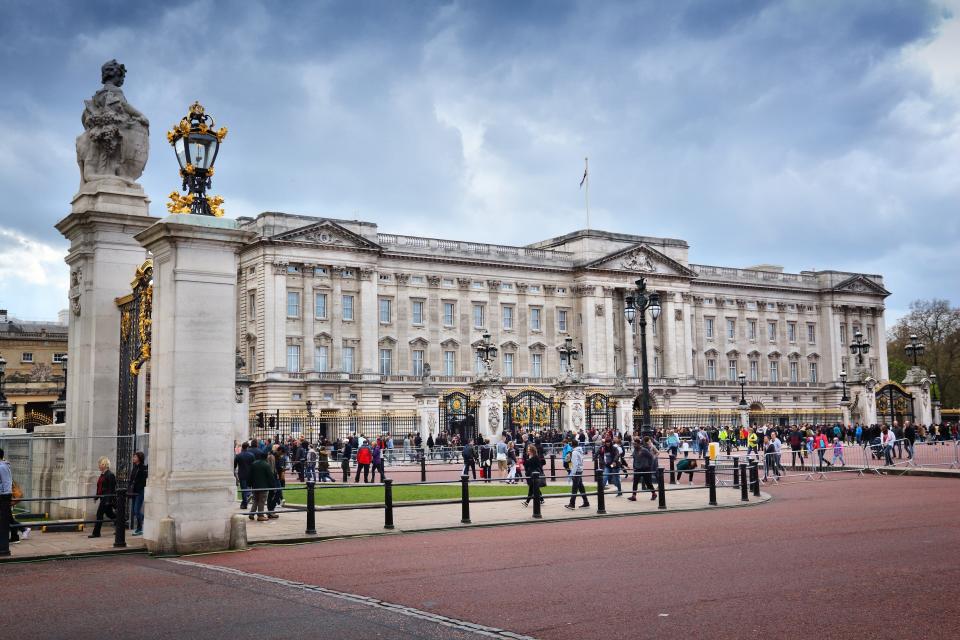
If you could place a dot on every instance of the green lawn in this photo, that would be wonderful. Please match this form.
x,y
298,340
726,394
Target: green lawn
x,y
365,494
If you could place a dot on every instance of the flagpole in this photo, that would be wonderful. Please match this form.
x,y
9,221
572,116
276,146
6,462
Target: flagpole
x,y
586,187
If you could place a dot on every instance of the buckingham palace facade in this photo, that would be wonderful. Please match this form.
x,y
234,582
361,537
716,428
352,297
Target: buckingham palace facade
x,y
336,313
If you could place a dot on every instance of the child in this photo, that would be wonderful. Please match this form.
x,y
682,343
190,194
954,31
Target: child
x,y
838,452
686,465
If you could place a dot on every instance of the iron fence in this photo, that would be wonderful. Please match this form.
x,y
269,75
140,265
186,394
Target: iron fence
x,y
331,426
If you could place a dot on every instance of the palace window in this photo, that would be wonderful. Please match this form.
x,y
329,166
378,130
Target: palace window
x,y
507,317
656,366
794,372
813,372
386,362
417,360
346,303
448,282
385,310
731,329
772,331
752,329
320,306
535,314
449,311
536,365
418,280
636,366
346,360
561,319
708,328
321,358
479,365
478,316
508,365
791,332
732,370
293,304
811,333
843,335
754,371
293,357
293,268
774,371
58,357
251,305
711,369
416,312
449,363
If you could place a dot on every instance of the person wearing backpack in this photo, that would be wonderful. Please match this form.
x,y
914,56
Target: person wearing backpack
x,y
644,467
567,454
469,459
364,458
576,475
611,465
310,470
820,444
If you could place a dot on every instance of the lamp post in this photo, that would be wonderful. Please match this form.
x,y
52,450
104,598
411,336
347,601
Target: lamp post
x,y
742,379
843,381
487,352
637,304
569,353
196,145
859,347
934,389
915,348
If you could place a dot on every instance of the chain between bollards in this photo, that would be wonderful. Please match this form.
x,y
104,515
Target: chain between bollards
x,y
387,503
464,499
311,508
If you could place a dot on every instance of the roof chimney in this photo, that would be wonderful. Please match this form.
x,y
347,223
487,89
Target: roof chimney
x,y
3,315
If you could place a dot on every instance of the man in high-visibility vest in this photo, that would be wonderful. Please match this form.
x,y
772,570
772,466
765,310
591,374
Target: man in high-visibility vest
x,y
752,442
724,438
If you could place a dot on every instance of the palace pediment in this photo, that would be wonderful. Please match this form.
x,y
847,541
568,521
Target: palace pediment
x,y
860,284
641,259
327,233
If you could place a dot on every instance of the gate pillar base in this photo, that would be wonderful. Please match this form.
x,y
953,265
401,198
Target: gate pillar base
x,y
572,396
428,411
489,409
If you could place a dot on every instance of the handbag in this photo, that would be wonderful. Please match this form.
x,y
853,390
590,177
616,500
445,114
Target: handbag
x,y
501,457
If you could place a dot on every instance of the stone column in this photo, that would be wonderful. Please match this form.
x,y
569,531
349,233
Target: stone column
x,y
624,409
191,494
428,410
918,384
369,319
489,396
103,258
572,396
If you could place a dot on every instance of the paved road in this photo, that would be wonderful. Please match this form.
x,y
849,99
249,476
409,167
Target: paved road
x,y
843,558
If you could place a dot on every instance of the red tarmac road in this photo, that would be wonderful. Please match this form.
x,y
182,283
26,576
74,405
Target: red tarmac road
x,y
842,558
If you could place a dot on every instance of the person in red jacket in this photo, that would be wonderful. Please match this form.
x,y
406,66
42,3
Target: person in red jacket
x,y
364,458
820,443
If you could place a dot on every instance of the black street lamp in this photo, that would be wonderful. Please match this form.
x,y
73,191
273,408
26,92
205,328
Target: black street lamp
x,y
934,389
63,392
742,379
487,352
196,145
843,381
859,347
309,408
569,353
635,304
915,348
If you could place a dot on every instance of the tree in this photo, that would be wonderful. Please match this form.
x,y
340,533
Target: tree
x,y
937,325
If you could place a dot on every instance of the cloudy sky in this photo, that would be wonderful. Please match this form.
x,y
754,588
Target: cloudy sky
x,y
812,134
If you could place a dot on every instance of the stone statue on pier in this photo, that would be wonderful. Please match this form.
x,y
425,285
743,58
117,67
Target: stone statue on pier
x,y
112,150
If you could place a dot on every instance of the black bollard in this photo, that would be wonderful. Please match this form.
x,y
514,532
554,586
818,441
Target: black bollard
x,y
535,479
744,489
464,499
423,467
736,472
387,503
120,519
661,492
673,470
755,477
712,483
601,505
311,509
553,466
5,501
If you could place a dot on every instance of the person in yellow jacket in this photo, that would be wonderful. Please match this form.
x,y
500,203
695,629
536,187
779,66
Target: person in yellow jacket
x,y
752,443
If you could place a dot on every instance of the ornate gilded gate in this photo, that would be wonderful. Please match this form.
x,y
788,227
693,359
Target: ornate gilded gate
x,y
894,404
600,412
135,338
531,411
458,415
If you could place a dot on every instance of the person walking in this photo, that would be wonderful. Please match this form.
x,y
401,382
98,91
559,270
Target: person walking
x,y
820,444
364,458
576,476
106,488
469,459
533,463
6,499
502,456
838,451
770,459
241,470
377,461
886,441
511,463
910,434
310,471
137,487
611,465
261,483
323,466
644,468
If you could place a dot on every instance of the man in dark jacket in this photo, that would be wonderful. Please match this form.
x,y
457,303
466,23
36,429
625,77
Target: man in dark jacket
x,y
241,469
644,468
106,488
469,459
261,480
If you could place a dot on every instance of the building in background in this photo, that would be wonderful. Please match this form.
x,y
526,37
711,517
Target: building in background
x,y
338,314
34,378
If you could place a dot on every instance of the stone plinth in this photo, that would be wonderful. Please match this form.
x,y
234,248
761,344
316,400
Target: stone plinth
x,y
428,410
917,383
623,397
103,259
489,395
573,396
190,497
